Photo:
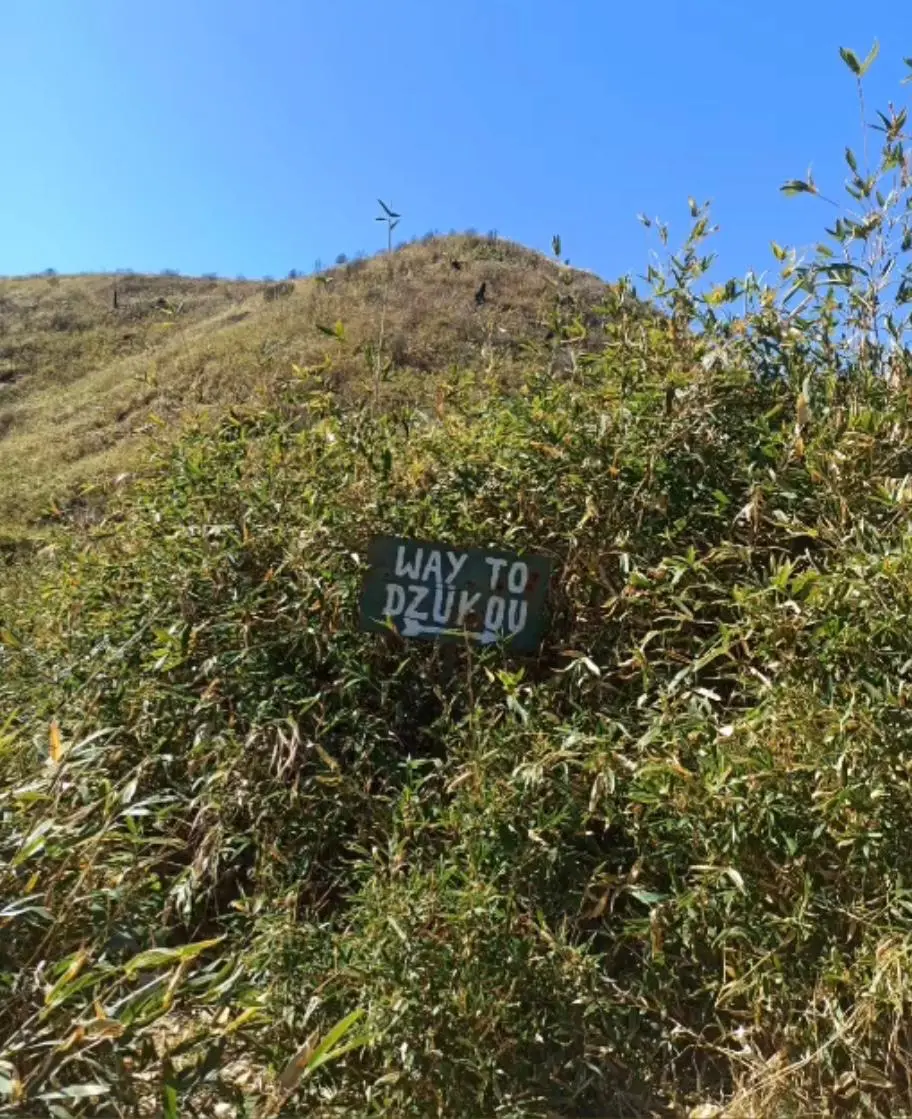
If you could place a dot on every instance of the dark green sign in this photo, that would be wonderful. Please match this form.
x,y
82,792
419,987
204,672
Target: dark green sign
x,y
438,592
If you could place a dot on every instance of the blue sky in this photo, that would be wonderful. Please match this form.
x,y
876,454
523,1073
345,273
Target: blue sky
x,y
251,138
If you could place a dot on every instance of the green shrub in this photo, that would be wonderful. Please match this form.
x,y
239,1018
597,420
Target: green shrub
x,y
662,864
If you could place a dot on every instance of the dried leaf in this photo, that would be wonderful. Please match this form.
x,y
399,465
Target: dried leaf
x,y
55,753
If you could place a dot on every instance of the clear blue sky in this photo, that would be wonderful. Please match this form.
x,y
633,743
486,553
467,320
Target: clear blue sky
x,y
254,136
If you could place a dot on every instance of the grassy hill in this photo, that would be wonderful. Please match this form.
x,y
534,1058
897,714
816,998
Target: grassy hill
x,y
659,869
255,862
82,381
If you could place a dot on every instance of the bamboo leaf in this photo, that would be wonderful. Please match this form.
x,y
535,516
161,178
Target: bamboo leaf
x,y
869,61
85,1091
164,957
798,186
851,60
324,1050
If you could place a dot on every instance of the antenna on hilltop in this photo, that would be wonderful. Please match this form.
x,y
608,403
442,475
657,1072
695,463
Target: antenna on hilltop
x,y
392,220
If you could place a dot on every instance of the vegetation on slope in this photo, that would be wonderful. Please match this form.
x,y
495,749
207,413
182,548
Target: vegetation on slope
x,y
254,861
82,382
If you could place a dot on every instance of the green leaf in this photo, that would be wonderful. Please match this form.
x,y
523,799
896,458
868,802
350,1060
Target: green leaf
x,y
869,61
647,897
778,251
69,981
851,60
356,1042
164,957
885,123
169,1092
851,160
307,1059
844,267
33,843
798,186
22,905
169,1102
328,1049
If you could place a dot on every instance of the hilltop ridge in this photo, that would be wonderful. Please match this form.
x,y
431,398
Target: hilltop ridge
x,y
87,363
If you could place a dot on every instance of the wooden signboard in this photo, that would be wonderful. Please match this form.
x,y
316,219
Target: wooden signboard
x,y
439,592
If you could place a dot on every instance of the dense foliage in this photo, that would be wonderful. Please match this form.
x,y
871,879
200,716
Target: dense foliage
x,y
252,860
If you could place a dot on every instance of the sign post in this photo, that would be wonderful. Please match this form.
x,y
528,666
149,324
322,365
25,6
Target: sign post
x,y
440,593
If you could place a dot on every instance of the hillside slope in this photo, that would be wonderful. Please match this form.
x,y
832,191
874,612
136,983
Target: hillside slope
x,y
81,379
659,870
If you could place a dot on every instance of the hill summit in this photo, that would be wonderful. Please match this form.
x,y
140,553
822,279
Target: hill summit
x,y
89,363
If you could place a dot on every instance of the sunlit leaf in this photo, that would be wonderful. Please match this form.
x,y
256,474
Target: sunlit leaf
x,y
798,186
868,62
165,957
851,60
55,750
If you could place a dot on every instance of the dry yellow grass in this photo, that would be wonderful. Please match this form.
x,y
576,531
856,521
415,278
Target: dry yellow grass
x,y
81,381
